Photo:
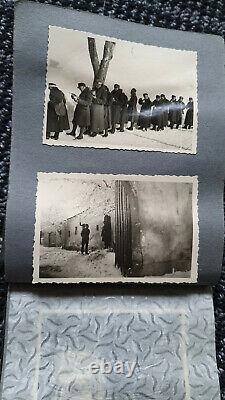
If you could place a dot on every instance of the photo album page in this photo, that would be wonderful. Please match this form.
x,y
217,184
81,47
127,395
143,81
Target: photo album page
x,y
116,183
117,152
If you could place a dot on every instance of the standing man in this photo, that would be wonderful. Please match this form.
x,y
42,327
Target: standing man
x,y
85,233
107,232
132,108
157,114
188,122
108,113
115,107
173,114
144,120
123,111
82,113
57,116
180,111
165,110
99,102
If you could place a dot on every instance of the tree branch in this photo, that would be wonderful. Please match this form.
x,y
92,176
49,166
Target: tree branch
x,y
93,54
104,65
108,50
100,68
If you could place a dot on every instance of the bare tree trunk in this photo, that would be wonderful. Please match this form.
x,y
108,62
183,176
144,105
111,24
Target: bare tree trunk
x,y
100,69
93,55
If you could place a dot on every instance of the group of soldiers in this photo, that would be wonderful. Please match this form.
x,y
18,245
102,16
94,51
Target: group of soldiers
x,y
99,111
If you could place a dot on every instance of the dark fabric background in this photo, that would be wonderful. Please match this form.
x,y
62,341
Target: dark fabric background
x,y
201,16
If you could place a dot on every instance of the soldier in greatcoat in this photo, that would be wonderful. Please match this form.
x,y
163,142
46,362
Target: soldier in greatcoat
x,y
165,110
123,111
57,116
188,122
132,109
173,114
107,232
99,103
157,114
85,234
108,113
115,107
180,111
82,113
144,120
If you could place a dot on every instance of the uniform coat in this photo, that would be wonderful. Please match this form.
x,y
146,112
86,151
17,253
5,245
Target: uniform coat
x,y
132,108
98,109
144,120
165,111
188,122
123,111
180,110
107,234
82,113
157,114
52,119
85,233
57,116
173,113
116,106
108,111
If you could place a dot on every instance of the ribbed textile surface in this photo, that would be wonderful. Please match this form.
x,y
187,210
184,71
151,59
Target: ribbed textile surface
x,y
193,15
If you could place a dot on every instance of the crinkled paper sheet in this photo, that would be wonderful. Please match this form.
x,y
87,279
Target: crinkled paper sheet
x,y
55,334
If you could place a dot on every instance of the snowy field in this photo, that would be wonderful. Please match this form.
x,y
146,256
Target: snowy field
x,y
171,140
59,263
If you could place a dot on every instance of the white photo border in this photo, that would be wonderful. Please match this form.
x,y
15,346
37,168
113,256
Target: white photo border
x,y
193,150
90,177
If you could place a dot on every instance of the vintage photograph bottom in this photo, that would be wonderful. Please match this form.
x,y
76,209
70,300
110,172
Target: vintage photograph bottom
x,y
109,227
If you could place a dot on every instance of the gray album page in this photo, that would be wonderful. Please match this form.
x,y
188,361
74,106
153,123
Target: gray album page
x,y
117,160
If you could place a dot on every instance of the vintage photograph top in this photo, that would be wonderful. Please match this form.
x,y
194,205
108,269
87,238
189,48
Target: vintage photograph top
x,y
103,92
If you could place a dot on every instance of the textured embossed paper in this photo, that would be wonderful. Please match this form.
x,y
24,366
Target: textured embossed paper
x,y
155,345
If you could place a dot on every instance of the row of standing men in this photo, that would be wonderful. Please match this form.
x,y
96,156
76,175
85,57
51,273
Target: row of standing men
x,y
99,111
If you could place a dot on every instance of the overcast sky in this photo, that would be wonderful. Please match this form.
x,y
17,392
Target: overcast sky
x,y
147,68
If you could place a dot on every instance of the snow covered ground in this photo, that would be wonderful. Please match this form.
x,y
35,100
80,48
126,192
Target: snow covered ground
x,y
172,140
59,263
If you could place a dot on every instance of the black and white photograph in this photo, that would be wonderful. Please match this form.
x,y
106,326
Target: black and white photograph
x,y
104,92
115,228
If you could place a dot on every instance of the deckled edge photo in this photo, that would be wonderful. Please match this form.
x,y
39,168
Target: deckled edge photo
x,y
120,146
148,279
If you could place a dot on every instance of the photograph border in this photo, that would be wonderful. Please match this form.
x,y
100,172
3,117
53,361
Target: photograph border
x,y
194,149
157,178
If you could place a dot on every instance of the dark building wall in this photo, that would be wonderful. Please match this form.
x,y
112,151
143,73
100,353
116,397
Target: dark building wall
x,y
165,213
